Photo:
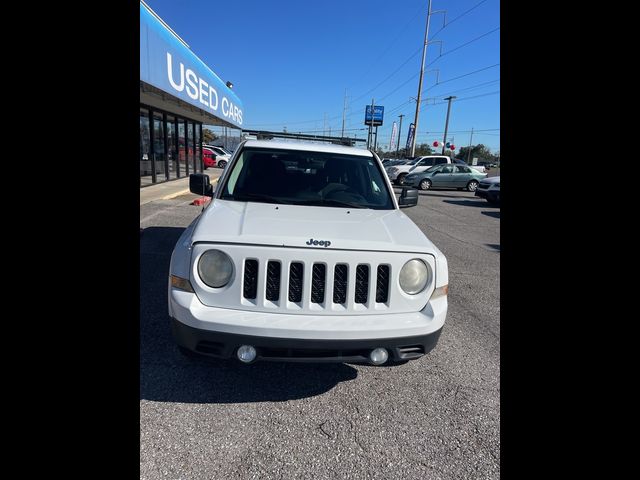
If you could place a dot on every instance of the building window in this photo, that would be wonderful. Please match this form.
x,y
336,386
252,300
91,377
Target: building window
x,y
146,172
170,146
172,153
198,150
159,155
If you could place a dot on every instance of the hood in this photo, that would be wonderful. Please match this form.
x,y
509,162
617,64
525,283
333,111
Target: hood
x,y
491,179
299,226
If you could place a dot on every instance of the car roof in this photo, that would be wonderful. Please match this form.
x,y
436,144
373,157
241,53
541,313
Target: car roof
x,y
308,147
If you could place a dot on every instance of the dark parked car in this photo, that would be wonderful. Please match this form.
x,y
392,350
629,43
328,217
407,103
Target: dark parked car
x,y
446,176
489,189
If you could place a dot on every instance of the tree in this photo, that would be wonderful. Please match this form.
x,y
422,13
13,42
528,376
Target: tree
x,y
480,151
208,136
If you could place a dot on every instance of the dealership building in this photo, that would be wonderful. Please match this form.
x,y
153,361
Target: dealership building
x,y
178,94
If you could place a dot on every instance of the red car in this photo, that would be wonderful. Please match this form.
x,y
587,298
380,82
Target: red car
x,y
208,157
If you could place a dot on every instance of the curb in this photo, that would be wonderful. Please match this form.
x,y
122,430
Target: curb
x,y
175,194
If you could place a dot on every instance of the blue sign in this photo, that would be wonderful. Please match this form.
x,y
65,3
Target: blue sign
x,y
166,63
378,114
412,129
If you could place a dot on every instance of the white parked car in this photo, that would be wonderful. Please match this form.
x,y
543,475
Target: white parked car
x,y
397,173
303,254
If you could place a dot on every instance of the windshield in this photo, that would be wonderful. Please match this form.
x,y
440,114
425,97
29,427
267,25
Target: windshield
x,y
297,177
432,169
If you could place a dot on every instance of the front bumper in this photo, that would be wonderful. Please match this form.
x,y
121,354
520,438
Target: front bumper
x,y
489,195
304,337
274,349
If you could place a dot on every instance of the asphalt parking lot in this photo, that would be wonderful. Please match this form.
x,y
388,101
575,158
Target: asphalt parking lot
x,y
434,418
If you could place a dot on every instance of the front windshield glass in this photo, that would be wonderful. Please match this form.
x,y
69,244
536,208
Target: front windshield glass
x,y
296,177
433,169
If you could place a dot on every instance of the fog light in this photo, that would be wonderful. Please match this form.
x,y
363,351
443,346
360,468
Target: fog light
x,y
246,354
378,356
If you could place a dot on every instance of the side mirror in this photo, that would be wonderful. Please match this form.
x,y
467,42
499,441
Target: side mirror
x,y
408,198
200,184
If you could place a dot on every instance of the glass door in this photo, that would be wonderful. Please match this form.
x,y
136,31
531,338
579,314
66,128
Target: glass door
x,y
146,173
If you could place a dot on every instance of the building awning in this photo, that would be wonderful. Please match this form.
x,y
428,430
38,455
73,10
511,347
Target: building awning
x,y
173,77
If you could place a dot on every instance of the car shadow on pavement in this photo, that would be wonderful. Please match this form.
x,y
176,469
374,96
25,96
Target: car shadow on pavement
x,y
494,214
495,246
471,203
167,376
431,193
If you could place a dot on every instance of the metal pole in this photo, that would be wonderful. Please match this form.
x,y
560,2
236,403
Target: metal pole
x,y
344,109
370,135
375,144
470,140
446,123
424,56
399,133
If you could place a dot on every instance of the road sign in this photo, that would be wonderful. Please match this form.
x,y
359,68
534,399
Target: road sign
x,y
378,114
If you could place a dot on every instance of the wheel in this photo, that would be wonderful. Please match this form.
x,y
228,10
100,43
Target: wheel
x,y
425,184
400,179
222,164
472,185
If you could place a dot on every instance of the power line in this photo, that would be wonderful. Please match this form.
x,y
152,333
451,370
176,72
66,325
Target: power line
x,y
459,16
403,30
463,89
463,45
385,96
467,74
388,77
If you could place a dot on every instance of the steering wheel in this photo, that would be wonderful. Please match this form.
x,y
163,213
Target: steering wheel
x,y
332,188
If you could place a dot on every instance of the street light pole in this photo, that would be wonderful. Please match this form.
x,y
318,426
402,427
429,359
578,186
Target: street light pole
x,y
446,123
399,133
424,56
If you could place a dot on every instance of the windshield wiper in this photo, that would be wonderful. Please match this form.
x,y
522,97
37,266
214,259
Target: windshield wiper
x,y
255,197
328,201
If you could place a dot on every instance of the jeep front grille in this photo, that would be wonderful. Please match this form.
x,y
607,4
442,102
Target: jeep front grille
x,y
318,283
326,285
250,285
382,284
273,281
295,282
340,281
362,283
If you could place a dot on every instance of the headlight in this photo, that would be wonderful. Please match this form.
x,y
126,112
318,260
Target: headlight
x,y
414,276
215,268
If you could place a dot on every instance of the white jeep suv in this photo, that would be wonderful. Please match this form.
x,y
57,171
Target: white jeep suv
x,y
303,254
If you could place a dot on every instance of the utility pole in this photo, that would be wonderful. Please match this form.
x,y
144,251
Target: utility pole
x,y
470,140
399,133
424,56
344,109
446,123
324,125
370,134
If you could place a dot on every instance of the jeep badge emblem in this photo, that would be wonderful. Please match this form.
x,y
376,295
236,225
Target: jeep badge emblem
x,y
322,243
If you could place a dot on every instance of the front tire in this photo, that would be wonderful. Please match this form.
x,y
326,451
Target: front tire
x,y
425,184
472,185
400,179
222,164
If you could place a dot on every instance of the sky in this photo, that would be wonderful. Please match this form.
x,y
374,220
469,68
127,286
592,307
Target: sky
x,y
291,62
